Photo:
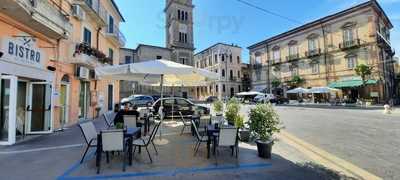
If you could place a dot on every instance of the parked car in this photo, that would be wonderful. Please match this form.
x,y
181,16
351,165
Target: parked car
x,y
280,100
176,104
211,99
138,100
265,98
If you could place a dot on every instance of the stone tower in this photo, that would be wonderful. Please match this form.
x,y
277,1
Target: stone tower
x,y
179,30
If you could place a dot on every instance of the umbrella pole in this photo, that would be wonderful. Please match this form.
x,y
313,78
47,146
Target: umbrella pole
x,y
161,109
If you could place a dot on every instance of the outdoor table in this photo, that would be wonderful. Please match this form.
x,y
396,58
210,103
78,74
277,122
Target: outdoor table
x,y
129,134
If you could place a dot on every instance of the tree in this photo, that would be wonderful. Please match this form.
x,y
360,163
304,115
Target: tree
x,y
297,81
275,83
364,71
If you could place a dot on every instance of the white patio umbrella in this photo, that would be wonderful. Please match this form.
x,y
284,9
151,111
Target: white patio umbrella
x,y
158,72
321,90
298,90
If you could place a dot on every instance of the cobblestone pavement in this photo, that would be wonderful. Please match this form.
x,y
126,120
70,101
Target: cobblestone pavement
x,y
366,138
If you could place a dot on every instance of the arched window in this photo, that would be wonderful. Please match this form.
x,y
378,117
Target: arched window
x,y
223,72
65,79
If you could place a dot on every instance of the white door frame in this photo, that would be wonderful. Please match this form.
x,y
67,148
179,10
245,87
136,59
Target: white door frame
x,y
67,85
12,114
30,84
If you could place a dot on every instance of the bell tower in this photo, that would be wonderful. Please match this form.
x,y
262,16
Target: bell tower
x,y
179,30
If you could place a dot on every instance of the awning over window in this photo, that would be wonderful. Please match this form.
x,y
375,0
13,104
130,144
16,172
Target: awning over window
x,y
351,82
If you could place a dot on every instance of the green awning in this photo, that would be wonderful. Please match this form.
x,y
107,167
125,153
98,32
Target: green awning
x,y
350,83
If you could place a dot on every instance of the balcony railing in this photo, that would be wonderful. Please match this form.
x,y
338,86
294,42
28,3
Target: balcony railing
x,y
95,9
350,44
313,53
43,16
234,79
86,55
276,61
292,57
384,43
116,35
257,66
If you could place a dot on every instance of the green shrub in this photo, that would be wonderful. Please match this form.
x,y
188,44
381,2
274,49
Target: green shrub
x,y
218,106
232,110
239,121
119,125
264,122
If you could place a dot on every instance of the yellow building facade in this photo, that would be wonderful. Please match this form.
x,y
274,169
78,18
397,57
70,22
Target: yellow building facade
x,y
49,50
326,51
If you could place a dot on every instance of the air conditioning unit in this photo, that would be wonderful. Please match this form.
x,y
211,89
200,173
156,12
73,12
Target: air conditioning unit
x,y
82,72
78,12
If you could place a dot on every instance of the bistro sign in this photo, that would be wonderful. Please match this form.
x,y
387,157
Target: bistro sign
x,y
22,50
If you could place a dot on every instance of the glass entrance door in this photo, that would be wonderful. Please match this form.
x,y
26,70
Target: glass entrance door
x,y
39,108
8,96
84,100
64,91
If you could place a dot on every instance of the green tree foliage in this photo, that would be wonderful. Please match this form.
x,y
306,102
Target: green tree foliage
x,y
264,122
364,71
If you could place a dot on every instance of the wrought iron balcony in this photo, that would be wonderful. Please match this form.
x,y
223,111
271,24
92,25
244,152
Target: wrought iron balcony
x,y
276,61
350,44
95,10
234,79
257,66
89,56
313,53
116,35
293,57
42,16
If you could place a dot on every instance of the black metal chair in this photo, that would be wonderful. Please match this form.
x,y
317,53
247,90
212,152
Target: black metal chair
x,y
145,141
90,134
185,123
227,137
200,138
108,119
113,141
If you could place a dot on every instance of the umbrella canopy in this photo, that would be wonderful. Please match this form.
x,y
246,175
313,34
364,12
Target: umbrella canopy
x,y
297,91
322,90
251,93
149,73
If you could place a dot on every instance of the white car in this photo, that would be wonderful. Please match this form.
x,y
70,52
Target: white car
x,y
264,98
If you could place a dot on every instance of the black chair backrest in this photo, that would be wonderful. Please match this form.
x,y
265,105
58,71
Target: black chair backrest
x,y
106,118
154,132
196,130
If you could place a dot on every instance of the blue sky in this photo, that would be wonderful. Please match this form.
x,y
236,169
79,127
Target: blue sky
x,y
230,21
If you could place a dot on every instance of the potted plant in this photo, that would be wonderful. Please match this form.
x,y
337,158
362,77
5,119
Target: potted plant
x,y
264,122
218,107
244,133
232,111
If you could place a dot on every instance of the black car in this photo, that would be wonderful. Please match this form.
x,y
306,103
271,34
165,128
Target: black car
x,y
175,105
211,99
